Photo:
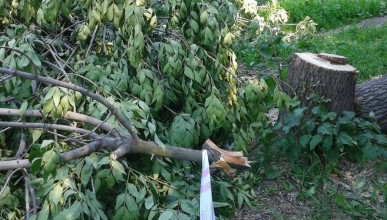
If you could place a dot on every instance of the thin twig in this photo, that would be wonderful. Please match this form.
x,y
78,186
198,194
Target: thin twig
x,y
91,41
66,139
18,51
31,191
71,56
7,181
72,25
96,127
46,126
56,57
27,199
69,115
22,146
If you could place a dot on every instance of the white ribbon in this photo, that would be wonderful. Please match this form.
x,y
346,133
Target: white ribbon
x,y
206,206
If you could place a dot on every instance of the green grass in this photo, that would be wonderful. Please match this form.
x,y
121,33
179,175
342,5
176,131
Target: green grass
x,y
365,48
331,14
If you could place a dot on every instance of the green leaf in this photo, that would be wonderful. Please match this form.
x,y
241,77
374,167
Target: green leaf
x,y
49,160
48,106
194,26
43,214
34,58
117,166
240,200
56,97
304,140
46,143
73,212
86,173
120,199
159,142
56,194
220,204
36,135
50,93
346,139
166,215
327,143
119,213
316,139
325,128
132,189
188,72
341,202
64,102
149,203
132,206
23,108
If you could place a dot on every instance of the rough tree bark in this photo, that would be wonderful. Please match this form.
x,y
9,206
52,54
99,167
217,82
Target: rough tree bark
x,y
327,75
372,97
330,76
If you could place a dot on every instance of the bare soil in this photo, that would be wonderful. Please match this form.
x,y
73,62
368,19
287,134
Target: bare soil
x,y
281,198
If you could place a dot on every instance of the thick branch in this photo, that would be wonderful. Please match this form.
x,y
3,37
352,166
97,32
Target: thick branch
x,y
69,155
151,148
79,89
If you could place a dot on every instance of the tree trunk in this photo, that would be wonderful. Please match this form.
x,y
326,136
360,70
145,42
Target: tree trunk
x,y
326,75
372,97
330,77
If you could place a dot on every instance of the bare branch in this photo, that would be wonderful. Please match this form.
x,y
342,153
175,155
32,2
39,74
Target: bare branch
x,y
46,126
22,146
9,176
27,196
69,115
91,41
79,89
69,155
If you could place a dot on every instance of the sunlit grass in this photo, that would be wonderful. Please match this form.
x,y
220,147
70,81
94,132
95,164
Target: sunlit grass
x,y
330,14
365,48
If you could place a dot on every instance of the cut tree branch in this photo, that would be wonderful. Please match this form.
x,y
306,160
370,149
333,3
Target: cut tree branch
x,y
120,145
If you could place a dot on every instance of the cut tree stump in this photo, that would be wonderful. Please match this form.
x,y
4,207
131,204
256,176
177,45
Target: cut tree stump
x,y
327,75
372,97
331,77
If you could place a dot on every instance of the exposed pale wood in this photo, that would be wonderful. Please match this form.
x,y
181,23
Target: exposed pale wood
x,y
333,58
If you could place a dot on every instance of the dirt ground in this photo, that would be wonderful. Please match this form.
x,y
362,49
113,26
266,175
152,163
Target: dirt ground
x,y
280,198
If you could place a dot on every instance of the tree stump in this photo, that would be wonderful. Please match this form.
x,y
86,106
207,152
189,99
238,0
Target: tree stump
x,y
372,97
327,75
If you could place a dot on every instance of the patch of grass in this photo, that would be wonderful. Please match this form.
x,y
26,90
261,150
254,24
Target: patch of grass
x,y
365,48
331,14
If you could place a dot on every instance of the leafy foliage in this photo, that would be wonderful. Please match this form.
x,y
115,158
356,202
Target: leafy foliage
x,y
326,136
168,67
